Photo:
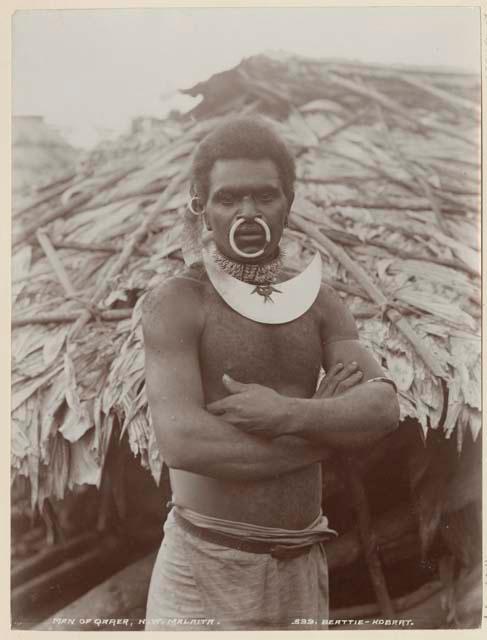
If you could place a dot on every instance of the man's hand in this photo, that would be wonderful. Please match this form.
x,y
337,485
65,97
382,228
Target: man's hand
x,y
261,411
338,380
251,407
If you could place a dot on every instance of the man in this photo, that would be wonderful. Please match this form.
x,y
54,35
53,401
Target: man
x,y
234,350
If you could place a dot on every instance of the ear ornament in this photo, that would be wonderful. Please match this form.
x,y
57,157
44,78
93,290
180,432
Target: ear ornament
x,y
195,207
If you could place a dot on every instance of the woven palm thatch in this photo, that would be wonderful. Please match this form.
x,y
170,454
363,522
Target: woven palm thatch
x,y
387,191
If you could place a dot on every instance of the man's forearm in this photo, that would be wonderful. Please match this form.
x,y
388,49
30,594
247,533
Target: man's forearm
x,y
205,444
359,417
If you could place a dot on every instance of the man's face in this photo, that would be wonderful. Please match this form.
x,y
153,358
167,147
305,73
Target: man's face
x,y
244,189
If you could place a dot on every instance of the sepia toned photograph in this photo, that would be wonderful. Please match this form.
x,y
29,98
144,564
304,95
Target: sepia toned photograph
x,y
246,319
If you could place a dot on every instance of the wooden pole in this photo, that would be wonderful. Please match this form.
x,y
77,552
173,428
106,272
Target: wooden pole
x,y
56,264
368,539
111,315
105,247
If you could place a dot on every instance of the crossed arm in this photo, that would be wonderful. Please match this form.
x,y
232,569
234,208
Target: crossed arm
x,y
357,417
241,436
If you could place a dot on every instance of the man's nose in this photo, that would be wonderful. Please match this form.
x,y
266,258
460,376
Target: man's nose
x,y
248,209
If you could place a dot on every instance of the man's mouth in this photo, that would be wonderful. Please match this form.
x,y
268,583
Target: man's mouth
x,y
249,240
249,236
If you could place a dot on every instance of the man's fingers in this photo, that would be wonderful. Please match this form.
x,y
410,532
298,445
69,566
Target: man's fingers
x,y
336,368
350,382
233,385
326,383
348,370
338,379
218,407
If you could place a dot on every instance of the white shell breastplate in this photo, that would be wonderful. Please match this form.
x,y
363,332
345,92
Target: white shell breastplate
x,y
275,303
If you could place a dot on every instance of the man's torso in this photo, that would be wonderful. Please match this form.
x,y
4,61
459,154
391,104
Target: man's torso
x,y
284,357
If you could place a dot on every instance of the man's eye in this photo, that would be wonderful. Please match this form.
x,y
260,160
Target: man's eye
x,y
267,196
227,199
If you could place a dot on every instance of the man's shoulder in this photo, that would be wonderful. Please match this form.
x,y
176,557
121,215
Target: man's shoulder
x,y
336,319
328,299
186,284
178,298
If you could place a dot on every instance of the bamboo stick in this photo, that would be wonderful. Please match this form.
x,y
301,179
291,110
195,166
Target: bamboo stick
x,y
325,245
104,247
64,210
457,103
110,315
56,264
369,540
61,180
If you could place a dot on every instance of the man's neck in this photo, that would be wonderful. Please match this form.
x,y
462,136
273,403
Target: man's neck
x,y
251,272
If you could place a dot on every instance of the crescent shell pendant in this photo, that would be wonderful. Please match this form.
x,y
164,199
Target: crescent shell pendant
x,y
275,303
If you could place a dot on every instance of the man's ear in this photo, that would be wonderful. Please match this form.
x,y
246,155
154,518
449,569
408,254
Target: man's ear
x,y
195,204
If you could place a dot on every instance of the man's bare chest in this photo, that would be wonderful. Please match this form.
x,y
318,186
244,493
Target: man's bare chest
x,y
286,357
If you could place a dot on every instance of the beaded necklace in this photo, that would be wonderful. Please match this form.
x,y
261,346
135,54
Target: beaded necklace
x,y
265,273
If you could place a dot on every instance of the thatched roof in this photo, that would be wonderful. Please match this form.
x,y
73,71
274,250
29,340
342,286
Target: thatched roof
x,y
387,190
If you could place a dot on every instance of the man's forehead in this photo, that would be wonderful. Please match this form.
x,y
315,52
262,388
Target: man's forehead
x,y
241,172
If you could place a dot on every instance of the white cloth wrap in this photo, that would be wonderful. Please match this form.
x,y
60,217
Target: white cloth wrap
x,y
195,582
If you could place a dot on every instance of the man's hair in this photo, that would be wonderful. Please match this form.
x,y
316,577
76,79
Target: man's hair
x,y
248,138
